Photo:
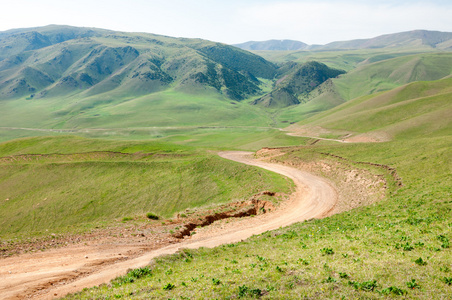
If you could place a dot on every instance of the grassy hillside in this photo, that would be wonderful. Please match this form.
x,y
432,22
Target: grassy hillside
x,y
296,84
66,184
414,110
399,246
388,74
60,61
409,39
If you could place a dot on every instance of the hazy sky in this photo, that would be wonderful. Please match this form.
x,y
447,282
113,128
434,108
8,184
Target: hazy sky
x,y
235,21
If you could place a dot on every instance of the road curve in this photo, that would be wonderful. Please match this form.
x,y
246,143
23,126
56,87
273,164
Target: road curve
x,y
314,197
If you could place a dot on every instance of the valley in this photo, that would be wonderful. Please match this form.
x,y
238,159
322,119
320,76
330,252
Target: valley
x,y
112,144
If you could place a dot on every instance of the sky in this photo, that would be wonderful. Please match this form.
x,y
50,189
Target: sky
x,y
236,21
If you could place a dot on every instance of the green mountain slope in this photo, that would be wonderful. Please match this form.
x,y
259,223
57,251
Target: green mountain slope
x,y
60,61
388,74
296,84
413,110
409,39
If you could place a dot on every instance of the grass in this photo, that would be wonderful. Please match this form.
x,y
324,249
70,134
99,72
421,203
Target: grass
x,y
414,110
371,252
67,184
391,73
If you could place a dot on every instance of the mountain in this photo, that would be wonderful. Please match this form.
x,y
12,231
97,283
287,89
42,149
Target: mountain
x,y
411,39
55,61
370,78
417,109
273,45
301,79
415,38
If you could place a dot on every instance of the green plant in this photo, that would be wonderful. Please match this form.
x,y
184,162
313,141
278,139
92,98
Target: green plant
x,y
168,286
246,291
365,286
327,251
330,279
412,284
394,290
216,281
343,275
447,280
445,269
407,247
444,240
420,261
152,216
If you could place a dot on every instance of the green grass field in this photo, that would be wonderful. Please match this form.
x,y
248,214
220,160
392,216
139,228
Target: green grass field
x,y
68,184
398,247
373,252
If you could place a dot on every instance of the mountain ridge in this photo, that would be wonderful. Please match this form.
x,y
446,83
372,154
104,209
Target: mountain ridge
x,y
67,60
426,38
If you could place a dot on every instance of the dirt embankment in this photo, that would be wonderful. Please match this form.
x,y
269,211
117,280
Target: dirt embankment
x,y
356,186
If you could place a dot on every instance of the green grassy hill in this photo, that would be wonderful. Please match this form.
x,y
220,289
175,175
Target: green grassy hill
x,y
62,61
408,39
414,110
397,248
296,84
70,184
388,74
370,78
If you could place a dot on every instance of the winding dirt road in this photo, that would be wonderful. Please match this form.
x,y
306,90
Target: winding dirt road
x,y
42,275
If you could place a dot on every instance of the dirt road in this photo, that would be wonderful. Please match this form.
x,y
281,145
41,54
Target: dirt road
x,y
55,273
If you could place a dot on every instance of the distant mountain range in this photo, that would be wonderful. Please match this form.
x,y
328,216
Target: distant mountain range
x,y
415,38
288,45
65,77
55,61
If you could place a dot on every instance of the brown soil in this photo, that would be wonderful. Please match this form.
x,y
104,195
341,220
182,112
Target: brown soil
x,y
53,273
356,186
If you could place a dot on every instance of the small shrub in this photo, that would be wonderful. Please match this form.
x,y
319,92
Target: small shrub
x,y
132,276
445,241
420,261
246,291
125,219
327,251
444,269
365,286
243,291
330,279
407,247
152,216
168,287
412,284
394,290
447,280
141,272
